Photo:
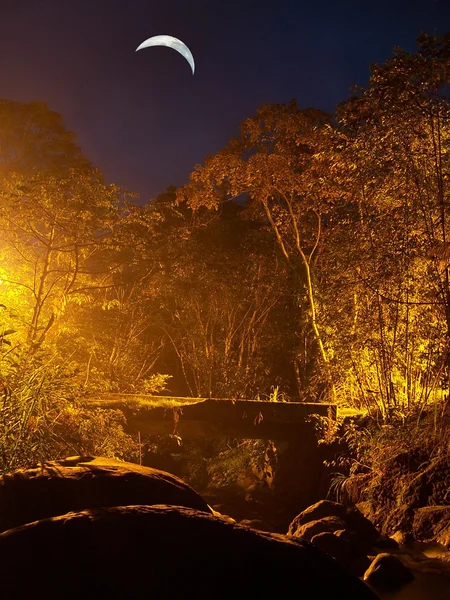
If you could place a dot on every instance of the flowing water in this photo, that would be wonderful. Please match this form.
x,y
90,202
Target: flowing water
x,y
430,564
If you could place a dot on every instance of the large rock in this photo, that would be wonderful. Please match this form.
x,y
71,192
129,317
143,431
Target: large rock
x,y
57,487
359,546
387,572
343,547
335,546
313,528
409,481
352,518
343,533
163,552
432,524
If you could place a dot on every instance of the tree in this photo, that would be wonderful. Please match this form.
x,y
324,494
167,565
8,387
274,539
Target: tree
x,y
52,229
34,140
396,157
119,339
219,304
282,160
56,217
55,214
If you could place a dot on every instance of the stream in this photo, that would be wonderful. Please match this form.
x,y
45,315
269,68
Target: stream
x,y
430,564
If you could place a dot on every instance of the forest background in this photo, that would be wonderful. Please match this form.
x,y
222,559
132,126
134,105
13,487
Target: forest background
x,y
307,260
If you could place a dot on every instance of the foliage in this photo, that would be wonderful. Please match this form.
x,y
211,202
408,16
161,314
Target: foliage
x,y
240,464
209,295
358,208
394,157
34,140
40,418
281,160
56,221
394,468
275,395
330,280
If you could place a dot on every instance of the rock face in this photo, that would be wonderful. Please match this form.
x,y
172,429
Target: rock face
x,y
342,532
411,480
55,488
318,526
163,552
432,523
353,519
335,546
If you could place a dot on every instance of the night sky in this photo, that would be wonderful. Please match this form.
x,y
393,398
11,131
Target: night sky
x,y
142,118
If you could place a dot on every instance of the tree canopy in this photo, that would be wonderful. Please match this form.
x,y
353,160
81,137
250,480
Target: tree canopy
x,y
309,256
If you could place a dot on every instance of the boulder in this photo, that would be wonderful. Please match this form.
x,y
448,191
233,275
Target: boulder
x,y
345,547
312,528
409,481
352,517
386,541
360,565
387,572
359,547
334,546
432,524
259,524
403,537
163,552
57,487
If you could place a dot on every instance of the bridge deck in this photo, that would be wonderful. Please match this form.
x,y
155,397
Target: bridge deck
x,y
211,417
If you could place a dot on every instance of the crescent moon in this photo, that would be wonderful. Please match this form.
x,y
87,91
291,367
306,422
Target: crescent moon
x,y
170,42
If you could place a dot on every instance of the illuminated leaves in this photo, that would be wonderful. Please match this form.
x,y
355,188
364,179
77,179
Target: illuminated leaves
x,y
55,215
394,162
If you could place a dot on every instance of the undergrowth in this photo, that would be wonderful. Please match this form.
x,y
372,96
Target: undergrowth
x,y
42,419
394,468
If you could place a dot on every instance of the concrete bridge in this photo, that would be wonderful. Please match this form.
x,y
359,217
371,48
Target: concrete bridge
x,y
191,417
299,471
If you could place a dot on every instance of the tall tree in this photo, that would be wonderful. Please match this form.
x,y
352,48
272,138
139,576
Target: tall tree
x,y
56,220
34,140
396,159
52,228
225,288
282,160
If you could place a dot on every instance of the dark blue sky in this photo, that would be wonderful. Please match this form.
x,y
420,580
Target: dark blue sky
x,y
142,118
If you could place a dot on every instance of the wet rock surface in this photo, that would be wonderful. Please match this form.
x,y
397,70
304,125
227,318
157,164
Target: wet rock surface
x,y
318,526
335,546
387,572
55,488
397,569
431,573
